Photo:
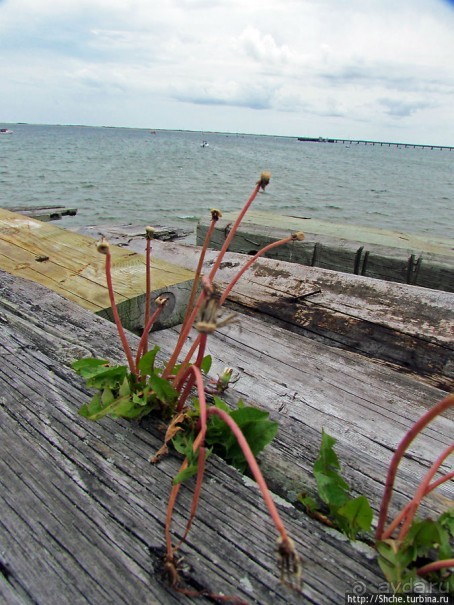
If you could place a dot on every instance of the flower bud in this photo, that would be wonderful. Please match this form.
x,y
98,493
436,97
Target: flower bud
x,y
103,246
160,301
149,232
215,214
298,236
264,179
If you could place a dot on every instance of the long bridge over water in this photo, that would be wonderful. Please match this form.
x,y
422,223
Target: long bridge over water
x,y
381,143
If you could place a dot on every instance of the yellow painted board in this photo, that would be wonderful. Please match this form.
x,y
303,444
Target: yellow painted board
x,y
69,264
369,235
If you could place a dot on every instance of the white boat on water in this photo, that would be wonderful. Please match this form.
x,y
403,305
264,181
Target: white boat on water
x,y
5,131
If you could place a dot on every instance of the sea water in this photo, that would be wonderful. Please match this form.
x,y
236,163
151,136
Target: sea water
x,y
138,176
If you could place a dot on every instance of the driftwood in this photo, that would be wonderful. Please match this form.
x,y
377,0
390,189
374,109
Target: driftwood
x,y
83,511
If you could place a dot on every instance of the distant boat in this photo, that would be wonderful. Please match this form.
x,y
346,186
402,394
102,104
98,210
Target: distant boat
x,y
5,131
204,144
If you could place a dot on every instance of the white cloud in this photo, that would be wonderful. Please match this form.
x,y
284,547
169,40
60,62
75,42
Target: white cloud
x,y
360,65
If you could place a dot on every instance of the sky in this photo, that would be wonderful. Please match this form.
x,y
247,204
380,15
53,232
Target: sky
x,y
359,69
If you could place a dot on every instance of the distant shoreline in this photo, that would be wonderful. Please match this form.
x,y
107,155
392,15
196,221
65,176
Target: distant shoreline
x,y
249,134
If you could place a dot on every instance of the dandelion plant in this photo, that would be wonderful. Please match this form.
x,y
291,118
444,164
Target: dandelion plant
x,y
176,393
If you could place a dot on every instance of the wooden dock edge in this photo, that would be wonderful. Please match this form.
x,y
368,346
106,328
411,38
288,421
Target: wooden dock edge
x,y
348,251
409,327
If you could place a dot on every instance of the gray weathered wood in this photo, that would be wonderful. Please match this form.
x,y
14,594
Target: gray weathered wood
x,y
83,511
375,253
408,326
45,213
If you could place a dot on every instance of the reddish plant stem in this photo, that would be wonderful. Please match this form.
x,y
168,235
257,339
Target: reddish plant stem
x,y
435,566
142,347
422,490
387,533
120,329
185,363
196,496
438,408
195,283
233,230
185,329
184,373
439,481
198,443
254,467
199,266
250,262
147,296
190,319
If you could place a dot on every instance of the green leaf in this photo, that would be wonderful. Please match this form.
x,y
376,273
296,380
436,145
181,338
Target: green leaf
x,y
147,361
89,409
125,388
163,389
89,366
99,374
205,366
332,488
309,502
446,529
255,426
331,491
221,405
394,560
424,535
447,520
358,514
327,458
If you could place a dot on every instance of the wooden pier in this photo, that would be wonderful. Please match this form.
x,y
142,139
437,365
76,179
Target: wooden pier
x,y
377,253
83,511
373,143
69,264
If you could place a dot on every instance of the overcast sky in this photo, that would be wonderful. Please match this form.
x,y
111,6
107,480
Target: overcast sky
x,y
374,69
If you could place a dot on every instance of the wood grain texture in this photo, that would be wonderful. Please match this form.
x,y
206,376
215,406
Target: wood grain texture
x,y
374,253
83,511
69,264
409,327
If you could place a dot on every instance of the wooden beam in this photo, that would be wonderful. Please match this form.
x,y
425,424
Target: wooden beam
x,y
366,251
408,326
69,264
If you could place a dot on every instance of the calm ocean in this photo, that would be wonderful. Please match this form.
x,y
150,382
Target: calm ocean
x,y
119,175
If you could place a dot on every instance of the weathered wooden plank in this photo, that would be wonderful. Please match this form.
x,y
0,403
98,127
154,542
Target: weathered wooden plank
x,y
69,264
307,387
45,213
364,251
83,511
405,325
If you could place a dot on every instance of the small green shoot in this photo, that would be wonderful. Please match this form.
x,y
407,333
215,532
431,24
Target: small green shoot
x,y
350,515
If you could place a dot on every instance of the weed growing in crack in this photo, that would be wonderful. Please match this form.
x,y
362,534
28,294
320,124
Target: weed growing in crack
x,y
194,428
408,547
